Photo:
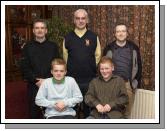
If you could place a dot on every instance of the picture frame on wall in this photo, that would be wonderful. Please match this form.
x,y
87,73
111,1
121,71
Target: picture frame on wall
x,y
17,13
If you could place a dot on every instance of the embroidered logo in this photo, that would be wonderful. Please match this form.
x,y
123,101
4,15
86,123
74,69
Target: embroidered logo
x,y
87,42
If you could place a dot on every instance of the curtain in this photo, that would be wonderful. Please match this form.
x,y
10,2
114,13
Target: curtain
x,y
140,20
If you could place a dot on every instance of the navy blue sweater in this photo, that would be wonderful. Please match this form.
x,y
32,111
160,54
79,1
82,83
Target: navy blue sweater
x,y
81,63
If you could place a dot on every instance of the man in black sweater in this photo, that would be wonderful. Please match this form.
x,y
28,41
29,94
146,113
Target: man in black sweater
x,y
36,61
82,51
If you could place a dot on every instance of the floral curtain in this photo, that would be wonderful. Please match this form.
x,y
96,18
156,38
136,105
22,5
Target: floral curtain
x,y
140,20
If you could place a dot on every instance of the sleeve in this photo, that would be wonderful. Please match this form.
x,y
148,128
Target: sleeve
x,y
65,52
139,72
98,51
90,97
26,66
41,97
106,50
122,96
57,53
76,96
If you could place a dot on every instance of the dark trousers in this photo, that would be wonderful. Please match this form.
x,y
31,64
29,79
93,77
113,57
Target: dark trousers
x,y
62,117
34,110
84,108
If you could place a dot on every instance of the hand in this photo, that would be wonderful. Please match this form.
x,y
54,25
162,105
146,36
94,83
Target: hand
x,y
60,106
40,80
107,108
100,108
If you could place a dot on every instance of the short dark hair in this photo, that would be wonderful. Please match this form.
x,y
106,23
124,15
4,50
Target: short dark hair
x,y
40,20
120,23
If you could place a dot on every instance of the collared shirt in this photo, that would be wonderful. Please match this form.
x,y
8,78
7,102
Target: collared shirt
x,y
122,59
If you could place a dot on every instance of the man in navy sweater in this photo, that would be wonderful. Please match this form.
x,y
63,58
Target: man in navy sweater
x,y
82,52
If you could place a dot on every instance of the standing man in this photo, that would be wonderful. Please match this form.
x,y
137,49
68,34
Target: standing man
x,y
127,60
37,57
82,52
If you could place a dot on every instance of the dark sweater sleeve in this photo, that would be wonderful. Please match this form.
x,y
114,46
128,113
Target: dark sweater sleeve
x,y
105,50
26,66
90,98
139,73
57,52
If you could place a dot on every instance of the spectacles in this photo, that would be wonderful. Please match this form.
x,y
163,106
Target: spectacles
x,y
80,18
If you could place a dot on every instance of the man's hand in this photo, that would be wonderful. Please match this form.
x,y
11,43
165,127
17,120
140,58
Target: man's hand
x,y
60,106
40,80
100,108
107,108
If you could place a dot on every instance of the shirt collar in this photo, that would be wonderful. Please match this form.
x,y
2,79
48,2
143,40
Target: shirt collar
x,y
57,81
80,33
117,46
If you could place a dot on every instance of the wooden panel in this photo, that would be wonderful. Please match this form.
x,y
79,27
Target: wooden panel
x,y
18,30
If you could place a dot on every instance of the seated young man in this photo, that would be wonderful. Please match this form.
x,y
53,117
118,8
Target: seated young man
x,y
107,95
59,94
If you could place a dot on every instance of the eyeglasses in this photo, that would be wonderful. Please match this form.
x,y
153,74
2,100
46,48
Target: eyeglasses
x,y
80,18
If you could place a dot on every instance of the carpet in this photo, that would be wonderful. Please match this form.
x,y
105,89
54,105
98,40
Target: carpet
x,y
16,102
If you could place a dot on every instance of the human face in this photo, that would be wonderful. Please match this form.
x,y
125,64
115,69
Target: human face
x,y
58,72
80,20
39,30
106,70
121,33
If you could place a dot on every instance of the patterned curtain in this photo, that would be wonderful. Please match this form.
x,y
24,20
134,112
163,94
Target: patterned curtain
x,y
140,20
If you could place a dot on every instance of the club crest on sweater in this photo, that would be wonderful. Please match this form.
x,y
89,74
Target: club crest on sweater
x,y
87,42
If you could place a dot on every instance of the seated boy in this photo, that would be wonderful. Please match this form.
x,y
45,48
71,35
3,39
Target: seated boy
x,y
59,94
107,94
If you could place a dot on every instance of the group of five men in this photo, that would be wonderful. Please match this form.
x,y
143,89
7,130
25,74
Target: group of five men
x,y
59,87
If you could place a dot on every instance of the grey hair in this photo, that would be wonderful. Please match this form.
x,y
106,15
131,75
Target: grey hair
x,y
82,10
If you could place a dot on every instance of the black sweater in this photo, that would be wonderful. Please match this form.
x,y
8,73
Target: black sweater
x,y
81,63
36,60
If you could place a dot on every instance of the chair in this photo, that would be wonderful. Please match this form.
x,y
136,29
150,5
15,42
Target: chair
x,y
42,112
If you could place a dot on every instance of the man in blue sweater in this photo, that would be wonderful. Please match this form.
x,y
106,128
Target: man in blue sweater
x,y
82,52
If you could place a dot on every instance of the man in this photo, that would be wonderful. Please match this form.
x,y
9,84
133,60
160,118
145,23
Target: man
x,y
107,95
81,51
37,56
127,60
59,94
